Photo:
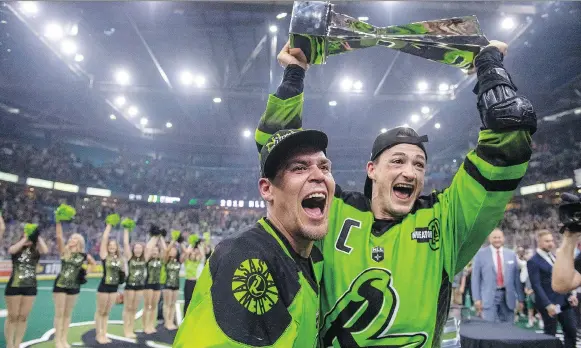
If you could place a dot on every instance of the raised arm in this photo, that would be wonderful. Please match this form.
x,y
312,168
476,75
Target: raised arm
x,y
2,227
475,202
166,250
284,108
104,241
41,246
149,246
59,238
185,253
126,246
16,247
565,277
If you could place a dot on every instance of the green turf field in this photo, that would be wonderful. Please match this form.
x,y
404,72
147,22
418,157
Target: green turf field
x,y
40,321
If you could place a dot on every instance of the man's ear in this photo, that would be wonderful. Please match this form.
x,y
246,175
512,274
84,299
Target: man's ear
x,y
265,188
371,170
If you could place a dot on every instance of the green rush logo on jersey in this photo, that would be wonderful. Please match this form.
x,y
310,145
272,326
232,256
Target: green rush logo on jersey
x,y
364,314
430,234
253,286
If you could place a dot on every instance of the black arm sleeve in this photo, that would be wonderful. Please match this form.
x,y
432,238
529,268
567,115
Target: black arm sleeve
x,y
292,82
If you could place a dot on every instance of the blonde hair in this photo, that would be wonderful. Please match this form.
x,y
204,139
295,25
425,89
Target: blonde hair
x,y
542,233
81,241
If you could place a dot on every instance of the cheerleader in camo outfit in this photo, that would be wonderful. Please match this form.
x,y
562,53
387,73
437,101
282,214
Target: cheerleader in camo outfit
x,y
152,291
67,284
173,264
112,276
21,288
136,274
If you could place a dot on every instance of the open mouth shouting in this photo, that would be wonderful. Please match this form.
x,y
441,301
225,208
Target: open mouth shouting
x,y
314,205
403,191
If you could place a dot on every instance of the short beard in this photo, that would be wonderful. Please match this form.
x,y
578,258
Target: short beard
x,y
312,234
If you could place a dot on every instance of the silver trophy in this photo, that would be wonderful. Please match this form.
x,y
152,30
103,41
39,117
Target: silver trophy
x,y
321,32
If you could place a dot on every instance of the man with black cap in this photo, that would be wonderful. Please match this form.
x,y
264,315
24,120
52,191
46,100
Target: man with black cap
x,y
261,288
391,254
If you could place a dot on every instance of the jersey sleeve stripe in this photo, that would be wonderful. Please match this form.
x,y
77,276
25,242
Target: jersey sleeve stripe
x,y
489,185
492,172
507,149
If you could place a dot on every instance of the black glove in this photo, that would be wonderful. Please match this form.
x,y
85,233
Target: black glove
x,y
570,212
154,230
499,106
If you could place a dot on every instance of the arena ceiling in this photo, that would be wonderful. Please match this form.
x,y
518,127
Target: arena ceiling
x,y
179,56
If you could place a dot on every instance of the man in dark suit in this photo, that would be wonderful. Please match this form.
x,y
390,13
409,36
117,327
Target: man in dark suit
x,y
552,305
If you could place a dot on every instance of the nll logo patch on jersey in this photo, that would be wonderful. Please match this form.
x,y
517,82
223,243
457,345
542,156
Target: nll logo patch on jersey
x,y
430,234
377,254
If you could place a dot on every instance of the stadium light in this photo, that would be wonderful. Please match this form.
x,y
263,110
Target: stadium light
x,y
217,100
363,18
122,77
246,133
443,87
577,111
168,125
79,57
186,78
68,47
346,84
406,125
200,81
425,110
358,85
332,103
383,130
508,23
120,100
273,28
415,118
53,31
423,86
281,15
29,7
132,111
437,125
143,121
113,117
74,30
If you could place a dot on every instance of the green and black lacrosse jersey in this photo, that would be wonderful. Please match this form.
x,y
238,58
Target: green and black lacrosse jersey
x,y
255,291
388,283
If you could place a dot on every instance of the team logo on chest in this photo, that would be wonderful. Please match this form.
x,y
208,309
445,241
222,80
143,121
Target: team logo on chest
x,y
377,254
429,234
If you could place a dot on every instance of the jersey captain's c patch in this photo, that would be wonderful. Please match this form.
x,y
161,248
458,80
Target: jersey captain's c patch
x,y
253,286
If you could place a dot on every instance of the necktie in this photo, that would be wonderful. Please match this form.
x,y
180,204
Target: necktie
x,y
552,258
499,277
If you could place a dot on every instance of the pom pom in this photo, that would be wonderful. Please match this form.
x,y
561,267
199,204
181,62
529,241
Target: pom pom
x,y
31,232
64,213
206,236
154,230
193,239
128,224
163,232
112,219
175,234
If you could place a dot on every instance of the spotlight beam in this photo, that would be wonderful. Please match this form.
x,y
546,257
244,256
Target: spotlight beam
x,y
387,72
250,59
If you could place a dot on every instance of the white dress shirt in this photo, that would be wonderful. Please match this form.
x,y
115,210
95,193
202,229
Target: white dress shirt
x,y
546,256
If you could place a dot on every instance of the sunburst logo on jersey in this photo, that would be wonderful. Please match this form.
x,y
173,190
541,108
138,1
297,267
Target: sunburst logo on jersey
x,y
253,286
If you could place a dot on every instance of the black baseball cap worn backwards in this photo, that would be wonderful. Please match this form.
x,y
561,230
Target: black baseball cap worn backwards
x,y
282,142
394,136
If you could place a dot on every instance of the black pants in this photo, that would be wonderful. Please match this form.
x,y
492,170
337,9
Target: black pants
x,y
578,312
188,290
567,320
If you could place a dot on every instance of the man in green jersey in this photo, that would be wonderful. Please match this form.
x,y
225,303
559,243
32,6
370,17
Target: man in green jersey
x,y
261,288
391,254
